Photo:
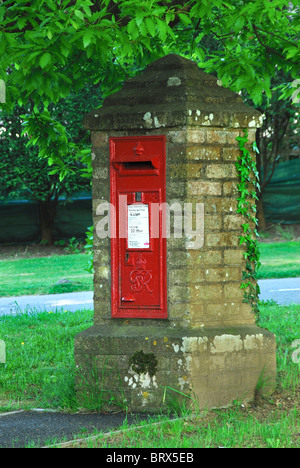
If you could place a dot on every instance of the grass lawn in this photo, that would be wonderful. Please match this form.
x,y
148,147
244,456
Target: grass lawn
x,y
279,260
31,276
40,370
67,273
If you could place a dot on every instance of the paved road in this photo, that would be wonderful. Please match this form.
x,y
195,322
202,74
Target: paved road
x,y
285,291
25,428
60,302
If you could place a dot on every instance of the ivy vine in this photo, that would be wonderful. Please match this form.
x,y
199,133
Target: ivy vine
x,y
248,186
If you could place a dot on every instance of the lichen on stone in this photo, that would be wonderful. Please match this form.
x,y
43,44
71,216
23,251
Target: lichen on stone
x,y
143,363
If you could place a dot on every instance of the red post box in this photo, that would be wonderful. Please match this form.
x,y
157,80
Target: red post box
x,y
138,243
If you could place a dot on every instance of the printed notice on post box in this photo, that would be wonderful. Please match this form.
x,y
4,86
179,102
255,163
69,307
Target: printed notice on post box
x,y
138,227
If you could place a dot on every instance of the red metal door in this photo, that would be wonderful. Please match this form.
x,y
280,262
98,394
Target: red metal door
x,y
138,252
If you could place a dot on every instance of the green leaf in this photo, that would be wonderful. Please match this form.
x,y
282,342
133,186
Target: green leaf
x,y
87,38
87,10
21,22
75,25
64,50
239,24
185,19
162,28
200,10
133,29
79,14
292,52
45,60
151,27
62,174
139,18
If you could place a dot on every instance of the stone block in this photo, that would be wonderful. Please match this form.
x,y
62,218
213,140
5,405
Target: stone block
x,y
234,257
223,239
230,189
230,154
203,153
212,366
222,274
233,292
213,223
99,139
221,171
202,293
233,222
231,136
204,258
195,135
222,205
185,171
216,136
204,188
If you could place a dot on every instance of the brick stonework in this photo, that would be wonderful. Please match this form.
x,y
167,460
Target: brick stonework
x,y
209,346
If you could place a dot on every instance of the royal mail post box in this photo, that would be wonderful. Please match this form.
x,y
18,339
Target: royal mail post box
x,y
138,243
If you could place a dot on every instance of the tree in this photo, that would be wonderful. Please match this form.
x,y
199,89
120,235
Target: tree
x,y
24,173
276,139
48,48
272,138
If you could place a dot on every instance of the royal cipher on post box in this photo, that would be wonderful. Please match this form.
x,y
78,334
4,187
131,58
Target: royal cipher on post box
x,y
138,244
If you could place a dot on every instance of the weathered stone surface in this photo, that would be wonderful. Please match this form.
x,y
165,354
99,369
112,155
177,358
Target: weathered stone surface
x,y
209,347
173,92
212,366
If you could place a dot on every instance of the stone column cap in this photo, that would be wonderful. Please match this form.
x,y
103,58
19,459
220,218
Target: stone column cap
x,y
172,91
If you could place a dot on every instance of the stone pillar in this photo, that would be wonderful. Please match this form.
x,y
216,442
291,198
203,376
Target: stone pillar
x,y
209,348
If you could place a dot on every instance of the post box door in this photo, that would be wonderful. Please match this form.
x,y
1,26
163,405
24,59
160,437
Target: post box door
x,y
140,270
138,251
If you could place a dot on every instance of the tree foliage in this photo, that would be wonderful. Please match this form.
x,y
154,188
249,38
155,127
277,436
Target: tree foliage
x,y
50,47
278,138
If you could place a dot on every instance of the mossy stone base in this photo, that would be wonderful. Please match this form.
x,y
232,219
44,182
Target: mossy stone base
x,y
212,367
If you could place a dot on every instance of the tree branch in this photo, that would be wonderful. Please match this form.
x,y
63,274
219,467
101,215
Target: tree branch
x,y
268,48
